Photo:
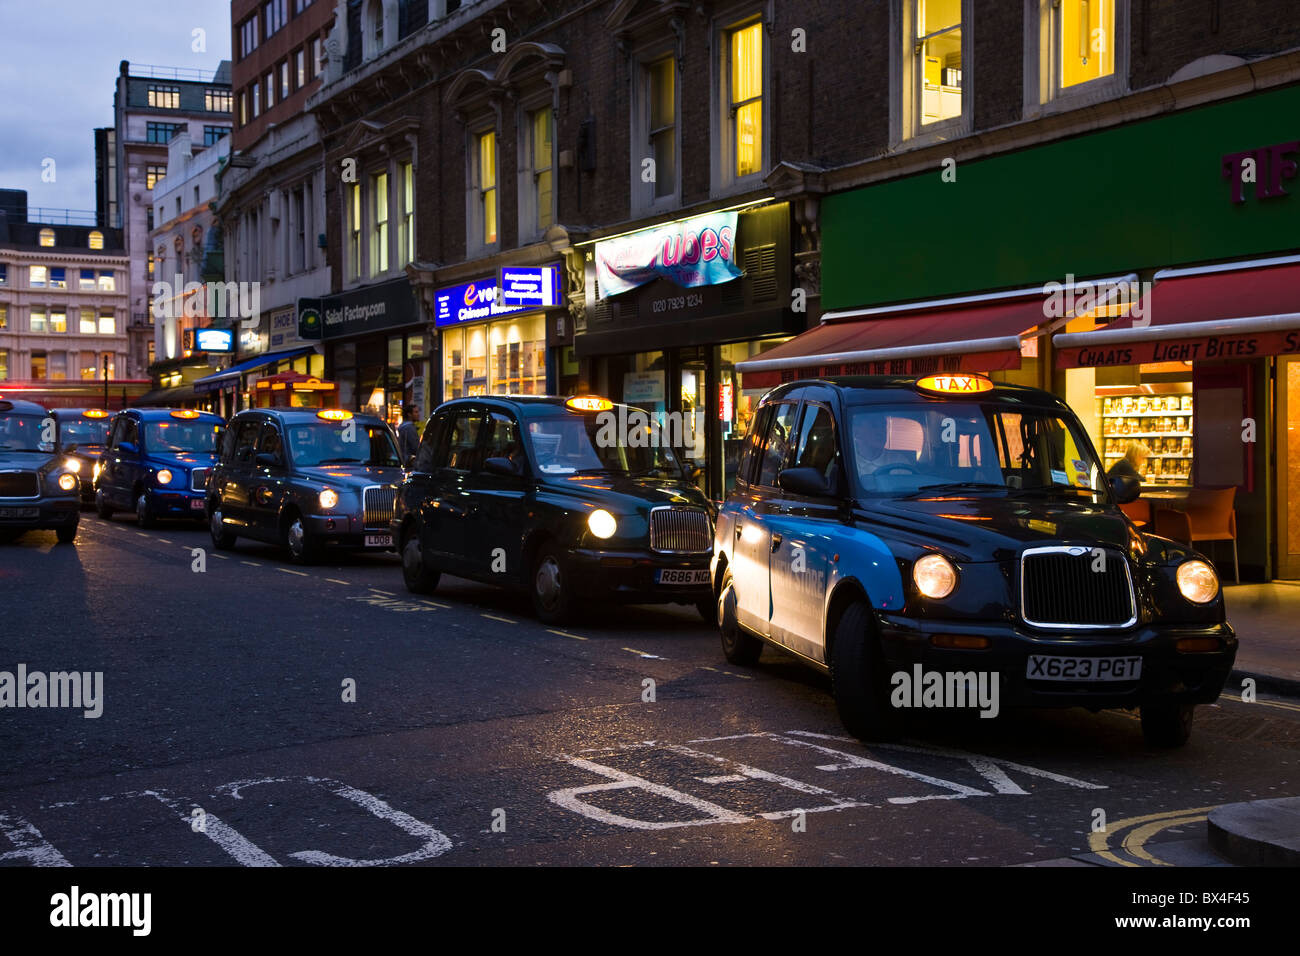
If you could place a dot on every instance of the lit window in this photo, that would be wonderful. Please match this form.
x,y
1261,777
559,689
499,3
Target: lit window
x,y
87,281
58,277
268,89
407,238
4,316
96,239
255,96
4,364
354,231
106,283
59,320
4,274
1087,40
58,366
88,367
46,237
300,67
152,173
148,267
284,80
661,130
87,323
38,276
379,227
217,101
938,51
165,97
746,98
38,365
107,326
484,175
543,145
38,320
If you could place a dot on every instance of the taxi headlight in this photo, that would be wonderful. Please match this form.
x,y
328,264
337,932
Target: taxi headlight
x,y
935,576
1197,581
329,498
68,481
164,477
602,523
72,465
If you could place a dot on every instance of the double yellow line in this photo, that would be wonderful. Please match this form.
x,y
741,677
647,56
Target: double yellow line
x,y
1141,830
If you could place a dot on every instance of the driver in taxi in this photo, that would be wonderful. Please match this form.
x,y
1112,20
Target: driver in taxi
x,y
870,438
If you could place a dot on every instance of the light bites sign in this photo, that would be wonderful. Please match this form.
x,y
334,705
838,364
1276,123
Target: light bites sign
x,y
691,252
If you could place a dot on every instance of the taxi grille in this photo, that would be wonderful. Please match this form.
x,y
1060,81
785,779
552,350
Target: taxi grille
x,y
680,530
199,479
378,502
19,484
1070,588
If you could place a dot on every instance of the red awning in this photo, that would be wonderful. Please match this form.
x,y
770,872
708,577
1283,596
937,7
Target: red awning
x,y
980,337
1243,310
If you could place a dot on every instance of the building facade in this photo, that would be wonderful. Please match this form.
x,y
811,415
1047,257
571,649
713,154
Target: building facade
x,y
150,106
63,307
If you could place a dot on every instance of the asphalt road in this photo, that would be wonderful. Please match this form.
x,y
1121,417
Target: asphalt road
x,y
480,736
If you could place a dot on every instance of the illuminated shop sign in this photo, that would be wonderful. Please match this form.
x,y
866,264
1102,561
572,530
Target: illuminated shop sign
x,y
690,252
535,287
211,340
472,301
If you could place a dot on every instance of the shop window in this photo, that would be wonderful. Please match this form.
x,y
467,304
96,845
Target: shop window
x,y
379,224
1081,53
655,127
483,190
46,237
58,366
38,366
518,356
88,366
741,122
406,237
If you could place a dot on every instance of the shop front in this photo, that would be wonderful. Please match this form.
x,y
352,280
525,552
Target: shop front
x,y
493,332
672,311
376,348
1165,316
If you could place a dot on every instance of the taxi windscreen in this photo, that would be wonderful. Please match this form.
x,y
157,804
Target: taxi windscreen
x,y
22,432
341,443
83,431
593,444
177,436
1015,450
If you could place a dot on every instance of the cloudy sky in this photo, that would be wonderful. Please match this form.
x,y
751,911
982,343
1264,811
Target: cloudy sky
x,y
58,65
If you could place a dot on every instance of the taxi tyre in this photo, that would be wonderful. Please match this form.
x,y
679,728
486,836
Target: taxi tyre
x,y
301,544
143,516
66,534
550,570
102,507
419,577
708,608
737,646
858,678
1167,723
222,539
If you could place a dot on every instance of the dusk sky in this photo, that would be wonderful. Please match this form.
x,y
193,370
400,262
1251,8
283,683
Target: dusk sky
x,y
58,66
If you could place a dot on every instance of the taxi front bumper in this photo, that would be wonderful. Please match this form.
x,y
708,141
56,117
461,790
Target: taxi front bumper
x,y
40,514
1168,674
177,503
633,576
348,531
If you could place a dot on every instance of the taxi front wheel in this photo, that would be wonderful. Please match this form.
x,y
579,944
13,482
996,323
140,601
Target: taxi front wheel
x,y
302,544
419,577
858,679
737,646
222,539
143,515
552,589
1166,723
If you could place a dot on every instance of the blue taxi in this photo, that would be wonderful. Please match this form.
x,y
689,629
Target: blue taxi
x,y
947,531
156,464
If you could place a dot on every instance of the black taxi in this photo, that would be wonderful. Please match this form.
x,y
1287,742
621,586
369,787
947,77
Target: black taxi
x,y
305,479
82,435
574,500
39,486
925,541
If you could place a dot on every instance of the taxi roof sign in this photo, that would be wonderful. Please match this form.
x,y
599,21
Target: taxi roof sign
x,y
589,403
334,414
185,413
955,384
95,413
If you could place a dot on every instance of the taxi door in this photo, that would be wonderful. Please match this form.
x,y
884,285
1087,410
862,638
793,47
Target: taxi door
x,y
754,543
445,510
497,518
121,466
233,484
804,538
268,482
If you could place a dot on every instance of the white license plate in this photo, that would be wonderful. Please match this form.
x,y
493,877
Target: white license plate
x,y
196,504
379,541
20,512
1054,667
682,576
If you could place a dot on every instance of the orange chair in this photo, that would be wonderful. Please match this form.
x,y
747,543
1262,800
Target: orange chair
x,y
1139,512
1209,516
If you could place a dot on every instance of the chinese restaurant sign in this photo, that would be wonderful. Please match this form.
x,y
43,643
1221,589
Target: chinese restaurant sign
x,y
690,252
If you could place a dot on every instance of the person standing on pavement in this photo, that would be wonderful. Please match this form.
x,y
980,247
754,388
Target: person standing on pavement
x,y
408,433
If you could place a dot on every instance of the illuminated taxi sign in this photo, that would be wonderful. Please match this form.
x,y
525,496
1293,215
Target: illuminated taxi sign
x,y
334,414
589,403
95,413
955,384
185,413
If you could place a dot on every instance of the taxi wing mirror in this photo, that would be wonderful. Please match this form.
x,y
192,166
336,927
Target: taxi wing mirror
x,y
1125,488
127,448
70,447
501,466
805,481
267,460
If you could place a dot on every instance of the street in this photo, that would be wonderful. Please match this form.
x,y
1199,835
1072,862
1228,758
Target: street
x,y
259,713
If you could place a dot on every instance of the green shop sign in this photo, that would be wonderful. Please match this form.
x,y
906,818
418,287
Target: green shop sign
x,y
1215,182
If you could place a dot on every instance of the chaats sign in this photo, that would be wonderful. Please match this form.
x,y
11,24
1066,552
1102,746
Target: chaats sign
x,y
690,252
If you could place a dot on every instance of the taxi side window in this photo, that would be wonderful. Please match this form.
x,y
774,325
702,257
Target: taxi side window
x,y
459,447
270,442
128,432
245,441
115,437
424,458
754,442
503,441
776,444
817,447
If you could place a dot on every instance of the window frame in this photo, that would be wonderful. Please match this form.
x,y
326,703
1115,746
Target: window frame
x,y
476,196
796,403
406,212
353,214
723,178
528,198
644,200
906,78
161,96
379,235
1043,94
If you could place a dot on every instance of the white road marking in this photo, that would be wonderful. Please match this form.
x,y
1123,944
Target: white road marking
x,y
576,637
29,844
723,778
142,534
164,541
241,849
337,581
385,593
301,574
568,799
656,657
493,617
222,557
433,603
251,564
